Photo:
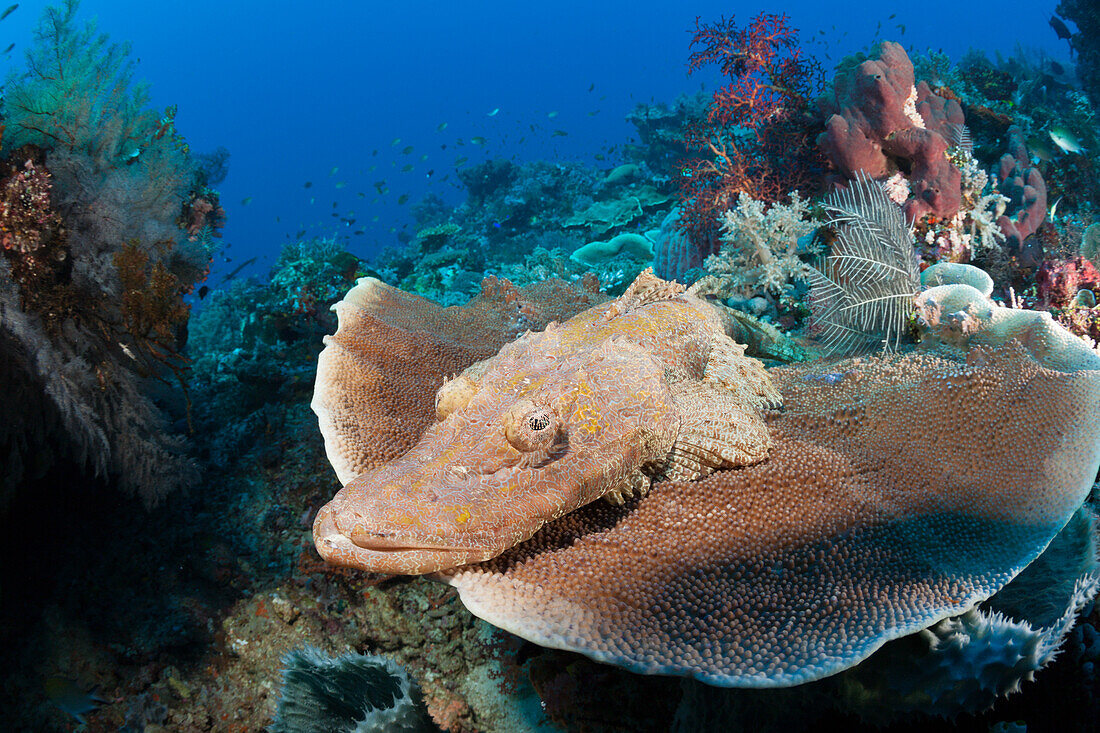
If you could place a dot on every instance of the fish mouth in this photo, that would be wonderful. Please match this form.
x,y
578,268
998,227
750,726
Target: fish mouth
x,y
384,553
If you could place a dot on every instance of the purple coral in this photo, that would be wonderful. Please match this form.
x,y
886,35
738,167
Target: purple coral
x,y
1026,190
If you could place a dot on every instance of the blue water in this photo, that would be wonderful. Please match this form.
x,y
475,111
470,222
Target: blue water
x,y
294,90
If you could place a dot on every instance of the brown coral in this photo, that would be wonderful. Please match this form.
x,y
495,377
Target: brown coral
x,y
152,307
900,491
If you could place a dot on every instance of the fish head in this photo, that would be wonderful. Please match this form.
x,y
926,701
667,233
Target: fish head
x,y
518,443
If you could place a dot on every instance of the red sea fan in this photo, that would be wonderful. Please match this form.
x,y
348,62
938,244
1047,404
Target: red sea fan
x,y
759,131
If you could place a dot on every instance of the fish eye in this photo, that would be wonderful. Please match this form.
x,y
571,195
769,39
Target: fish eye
x,y
529,427
538,421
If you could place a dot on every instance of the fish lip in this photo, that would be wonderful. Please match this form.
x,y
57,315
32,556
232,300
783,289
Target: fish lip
x,y
337,548
389,542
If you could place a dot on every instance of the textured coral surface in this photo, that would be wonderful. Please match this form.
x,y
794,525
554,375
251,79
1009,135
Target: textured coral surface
x,y
864,524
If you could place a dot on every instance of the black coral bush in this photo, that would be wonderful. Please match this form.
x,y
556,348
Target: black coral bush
x,y
92,317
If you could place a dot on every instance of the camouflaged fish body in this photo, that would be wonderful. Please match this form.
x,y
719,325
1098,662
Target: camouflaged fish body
x,y
647,386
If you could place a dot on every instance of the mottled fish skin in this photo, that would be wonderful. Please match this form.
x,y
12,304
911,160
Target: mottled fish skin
x,y
594,407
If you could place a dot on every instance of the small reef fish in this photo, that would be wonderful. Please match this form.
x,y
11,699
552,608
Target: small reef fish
x,y
406,168
11,9
203,291
64,692
396,142
246,201
9,49
237,269
1039,147
407,149
307,184
341,184
552,115
1059,28
477,140
402,198
1065,139
493,113
1054,210
441,127
334,171
558,133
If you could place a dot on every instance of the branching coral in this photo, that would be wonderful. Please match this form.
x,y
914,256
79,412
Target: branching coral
x,y
758,135
761,245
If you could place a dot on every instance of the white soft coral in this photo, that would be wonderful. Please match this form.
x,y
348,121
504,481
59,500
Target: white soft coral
x,y
760,246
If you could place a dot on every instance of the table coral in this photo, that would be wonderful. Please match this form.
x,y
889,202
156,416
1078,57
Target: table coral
x,y
858,529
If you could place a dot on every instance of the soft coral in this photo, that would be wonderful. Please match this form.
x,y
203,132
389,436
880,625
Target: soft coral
x,y
758,135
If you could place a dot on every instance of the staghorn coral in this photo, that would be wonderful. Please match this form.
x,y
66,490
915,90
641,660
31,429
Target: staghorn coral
x,y
761,247
650,386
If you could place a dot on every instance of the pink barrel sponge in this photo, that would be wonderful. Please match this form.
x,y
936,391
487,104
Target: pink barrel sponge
x,y
881,122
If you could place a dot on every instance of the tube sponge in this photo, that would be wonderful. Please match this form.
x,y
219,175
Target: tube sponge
x,y
352,693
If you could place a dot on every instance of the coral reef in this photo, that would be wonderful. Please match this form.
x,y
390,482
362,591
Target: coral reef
x,y
871,520
95,266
